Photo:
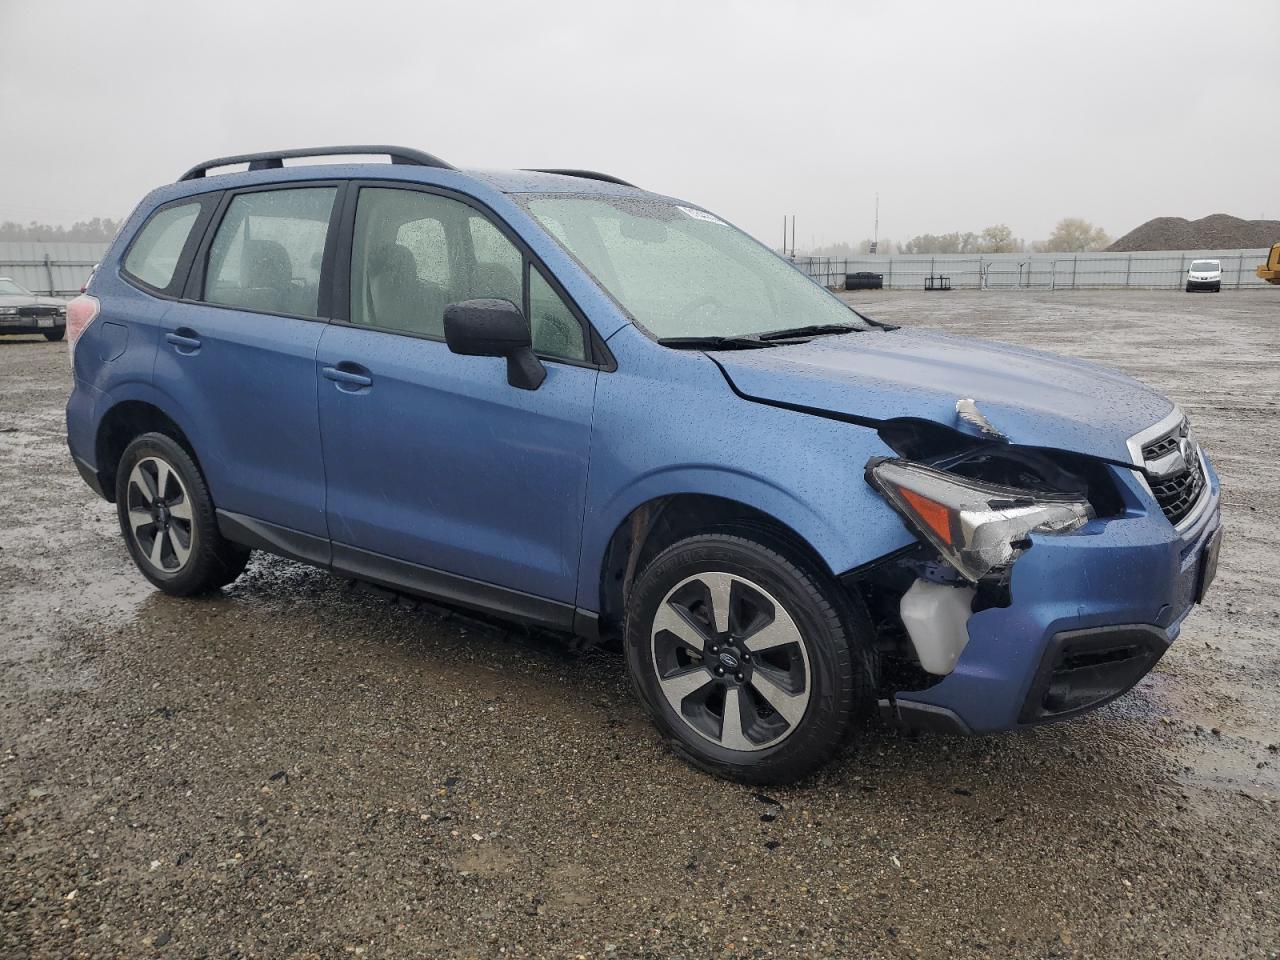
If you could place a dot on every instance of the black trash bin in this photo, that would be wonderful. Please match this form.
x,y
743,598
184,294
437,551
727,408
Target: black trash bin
x,y
864,280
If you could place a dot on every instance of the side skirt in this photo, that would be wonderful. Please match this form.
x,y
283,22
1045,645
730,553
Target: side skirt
x,y
403,576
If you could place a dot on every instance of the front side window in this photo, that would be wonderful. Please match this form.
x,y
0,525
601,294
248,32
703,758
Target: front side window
x,y
154,255
682,272
414,253
267,253
556,331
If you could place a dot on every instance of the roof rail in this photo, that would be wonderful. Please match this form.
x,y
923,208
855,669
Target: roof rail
x,y
274,159
585,175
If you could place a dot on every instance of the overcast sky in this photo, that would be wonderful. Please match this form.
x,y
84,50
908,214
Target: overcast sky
x,y
960,114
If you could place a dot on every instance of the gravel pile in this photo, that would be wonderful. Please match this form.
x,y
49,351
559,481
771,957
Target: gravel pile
x,y
1217,231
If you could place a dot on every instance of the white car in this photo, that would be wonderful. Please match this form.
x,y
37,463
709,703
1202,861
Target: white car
x,y
1205,275
22,311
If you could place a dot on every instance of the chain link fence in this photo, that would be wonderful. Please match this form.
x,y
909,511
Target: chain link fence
x,y
1041,271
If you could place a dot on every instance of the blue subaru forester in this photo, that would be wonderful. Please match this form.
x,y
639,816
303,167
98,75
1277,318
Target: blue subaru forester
x,y
555,397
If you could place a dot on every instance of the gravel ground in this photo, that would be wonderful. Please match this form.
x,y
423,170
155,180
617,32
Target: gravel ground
x,y
297,769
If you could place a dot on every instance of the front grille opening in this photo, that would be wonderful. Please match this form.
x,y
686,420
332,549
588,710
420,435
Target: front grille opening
x,y
1157,449
1178,493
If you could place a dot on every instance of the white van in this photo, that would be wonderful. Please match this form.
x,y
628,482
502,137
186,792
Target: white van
x,y
1205,275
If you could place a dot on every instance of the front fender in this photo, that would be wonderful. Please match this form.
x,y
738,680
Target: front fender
x,y
697,437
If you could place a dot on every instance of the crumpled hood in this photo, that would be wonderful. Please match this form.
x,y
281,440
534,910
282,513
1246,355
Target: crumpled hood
x,y
1033,398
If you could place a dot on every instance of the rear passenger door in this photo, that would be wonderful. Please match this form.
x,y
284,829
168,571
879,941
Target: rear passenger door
x,y
441,475
238,357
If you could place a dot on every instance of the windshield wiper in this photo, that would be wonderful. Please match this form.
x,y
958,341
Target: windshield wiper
x,y
714,343
813,330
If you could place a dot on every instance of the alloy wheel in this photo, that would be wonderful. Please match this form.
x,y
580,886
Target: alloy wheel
x,y
730,661
160,517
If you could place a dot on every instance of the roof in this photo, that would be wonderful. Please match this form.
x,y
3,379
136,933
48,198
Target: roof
x,y
485,185
535,181
514,181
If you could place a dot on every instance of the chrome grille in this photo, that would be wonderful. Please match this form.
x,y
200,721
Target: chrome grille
x,y
1154,451
1174,472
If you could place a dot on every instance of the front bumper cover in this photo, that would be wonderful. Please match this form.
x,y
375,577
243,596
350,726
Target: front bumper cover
x,y
1091,613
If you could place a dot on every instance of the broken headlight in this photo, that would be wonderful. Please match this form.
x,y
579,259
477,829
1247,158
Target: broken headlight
x,y
979,528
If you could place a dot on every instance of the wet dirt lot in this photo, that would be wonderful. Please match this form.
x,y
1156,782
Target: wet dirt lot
x,y
297,769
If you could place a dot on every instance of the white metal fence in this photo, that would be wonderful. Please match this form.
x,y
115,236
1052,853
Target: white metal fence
x,y
60,268
57,269
1040,271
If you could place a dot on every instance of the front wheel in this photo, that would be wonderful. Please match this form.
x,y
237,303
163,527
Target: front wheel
x,y
752,663
56,334
168,521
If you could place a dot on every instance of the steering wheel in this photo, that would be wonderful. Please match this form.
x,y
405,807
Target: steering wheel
x,y
706,300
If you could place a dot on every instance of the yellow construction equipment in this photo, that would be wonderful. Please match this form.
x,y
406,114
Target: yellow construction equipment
x,y
1270,271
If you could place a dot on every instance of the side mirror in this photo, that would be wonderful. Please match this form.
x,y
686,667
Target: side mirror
x,y
495,328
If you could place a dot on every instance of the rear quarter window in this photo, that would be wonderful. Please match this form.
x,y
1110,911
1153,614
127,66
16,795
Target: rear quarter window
x,y
154,254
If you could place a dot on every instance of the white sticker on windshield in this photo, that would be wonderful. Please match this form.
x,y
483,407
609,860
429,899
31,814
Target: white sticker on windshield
x,y
700,215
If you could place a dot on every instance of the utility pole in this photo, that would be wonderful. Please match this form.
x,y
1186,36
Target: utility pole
x,y
875,232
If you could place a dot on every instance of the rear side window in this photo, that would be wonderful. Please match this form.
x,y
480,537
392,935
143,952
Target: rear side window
x,y
267,253
155,252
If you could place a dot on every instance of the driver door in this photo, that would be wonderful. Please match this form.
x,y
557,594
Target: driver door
x,y
441,476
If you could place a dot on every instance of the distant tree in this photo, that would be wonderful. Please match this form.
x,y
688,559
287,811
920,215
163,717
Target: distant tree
x,y
95,230
883,247
1074,235
837,251
954,242
998,238
847,251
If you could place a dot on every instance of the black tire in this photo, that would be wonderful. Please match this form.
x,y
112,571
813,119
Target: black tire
x,y
209,561
838,659
1188,288
1217,288
55,335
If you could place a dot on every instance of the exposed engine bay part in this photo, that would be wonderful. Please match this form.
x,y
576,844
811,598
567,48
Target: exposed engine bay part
x,y
968,414
1033,469
936,617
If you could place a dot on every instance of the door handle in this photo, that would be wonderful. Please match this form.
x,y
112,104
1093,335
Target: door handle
x,y
347,375
184,340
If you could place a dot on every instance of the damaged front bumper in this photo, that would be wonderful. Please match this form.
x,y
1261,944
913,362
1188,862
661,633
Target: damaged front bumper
x,y
1090,614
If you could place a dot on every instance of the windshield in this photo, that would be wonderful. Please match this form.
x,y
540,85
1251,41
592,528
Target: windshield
x,y
1204,265
681,272
7,286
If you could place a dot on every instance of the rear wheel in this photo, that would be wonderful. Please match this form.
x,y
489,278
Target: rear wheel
x,y
57,334
168,520
752,662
